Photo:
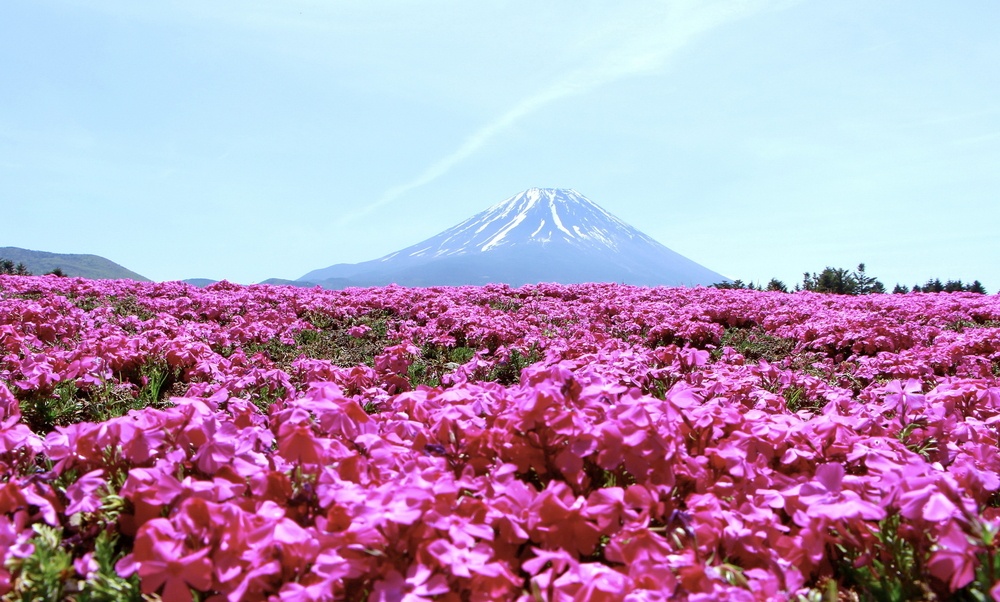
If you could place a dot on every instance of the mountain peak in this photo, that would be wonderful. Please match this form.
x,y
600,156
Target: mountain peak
x,y
540,234
536,216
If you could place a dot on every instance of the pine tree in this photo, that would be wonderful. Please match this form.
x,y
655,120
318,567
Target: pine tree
x,y
777,285
7,267
976,287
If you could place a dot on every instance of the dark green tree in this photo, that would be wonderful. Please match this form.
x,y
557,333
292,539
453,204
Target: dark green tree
x,y
840,281
933,286
7,267
736,284
867,285
976,287
777,285
830,280
899,289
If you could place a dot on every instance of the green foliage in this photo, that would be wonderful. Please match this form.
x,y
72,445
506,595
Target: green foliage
x,y
105,585
934,285
43,575
776,286
43,411
755,344
435,361
911,436
796,400
509,372
48,572
737,285
847,282
130,306
7,266
988,567
962,325
840,281
329,340
976,287
66,403
894,571
506,305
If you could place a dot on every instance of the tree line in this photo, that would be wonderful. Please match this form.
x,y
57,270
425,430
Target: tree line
x,y
838,281
8,267
841,281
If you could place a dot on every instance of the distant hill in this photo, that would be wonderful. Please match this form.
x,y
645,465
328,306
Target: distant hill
x,y
83,266
199,282
283,282
539,235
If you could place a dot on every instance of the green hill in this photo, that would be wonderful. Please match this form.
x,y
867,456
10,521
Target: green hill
x,y
83,266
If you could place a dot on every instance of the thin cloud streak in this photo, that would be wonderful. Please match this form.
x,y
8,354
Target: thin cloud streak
x,y
678,24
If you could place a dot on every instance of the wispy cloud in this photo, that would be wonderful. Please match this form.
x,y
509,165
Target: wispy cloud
x,y
647,42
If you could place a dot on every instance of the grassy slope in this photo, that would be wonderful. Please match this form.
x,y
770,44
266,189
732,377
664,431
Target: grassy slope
x,y
85,266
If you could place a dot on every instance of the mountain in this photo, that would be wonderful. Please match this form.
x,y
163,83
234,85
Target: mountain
x,y
199,282
83,266
284,282
539,235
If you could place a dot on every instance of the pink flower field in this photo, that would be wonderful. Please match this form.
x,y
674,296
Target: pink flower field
x,y
585,442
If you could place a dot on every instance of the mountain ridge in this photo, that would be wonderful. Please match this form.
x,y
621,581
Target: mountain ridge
x,y
538,235
71,264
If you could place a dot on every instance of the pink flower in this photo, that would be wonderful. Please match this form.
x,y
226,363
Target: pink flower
x,y
82,493
929,503
163,563
995,592
954,558
593,582
359,331
86,566
298,444
419,585
464,561
15,537
141,435
461,529
10,409
560,520
825,497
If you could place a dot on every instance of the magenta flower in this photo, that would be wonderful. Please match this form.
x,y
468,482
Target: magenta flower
x,y
164,565
298,444
825,497
592,581
954,558
420,585
930,499
83,493
10,409
560,520
464,561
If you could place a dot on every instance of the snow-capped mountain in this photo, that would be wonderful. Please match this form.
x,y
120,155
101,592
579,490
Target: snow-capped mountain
x,y
539,235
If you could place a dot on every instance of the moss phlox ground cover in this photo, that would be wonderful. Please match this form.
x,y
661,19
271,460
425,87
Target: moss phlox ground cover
x,y
585,442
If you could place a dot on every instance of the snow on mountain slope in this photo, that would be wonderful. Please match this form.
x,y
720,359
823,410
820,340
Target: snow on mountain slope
x,y
535,216
541,234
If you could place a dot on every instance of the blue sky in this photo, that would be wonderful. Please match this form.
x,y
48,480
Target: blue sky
x,y
247,140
